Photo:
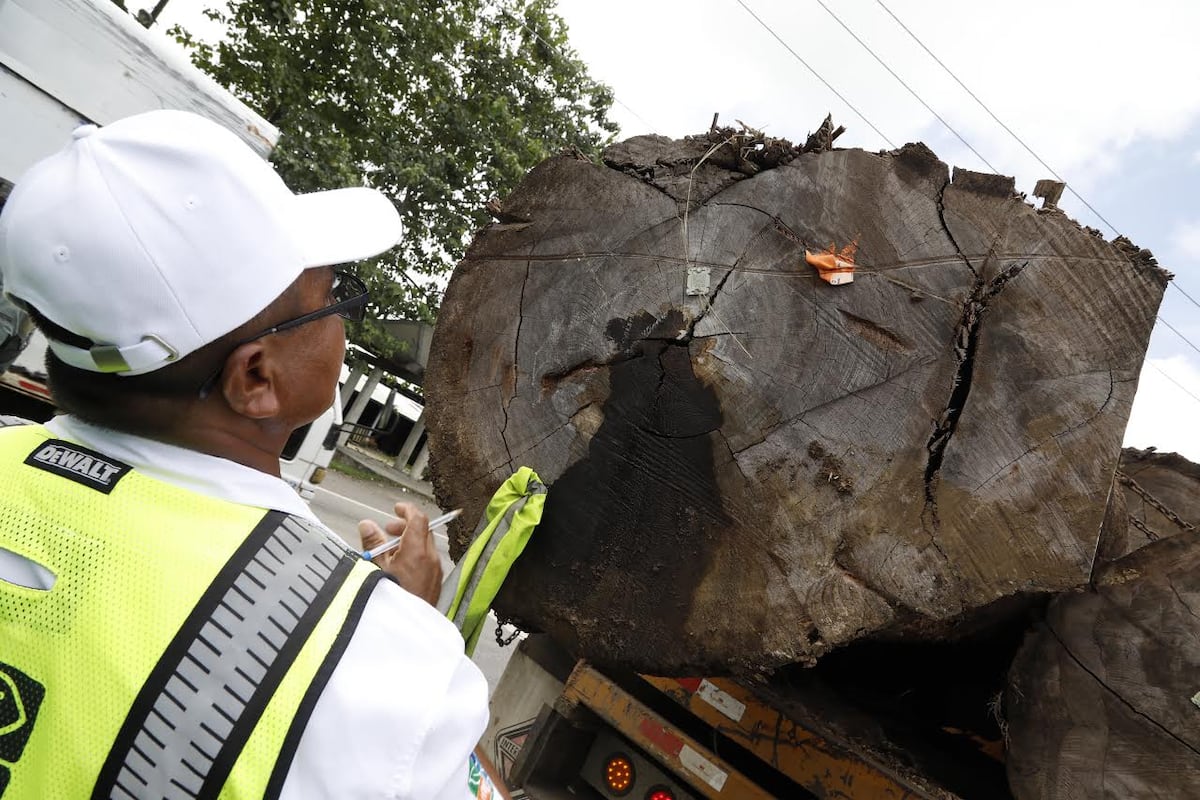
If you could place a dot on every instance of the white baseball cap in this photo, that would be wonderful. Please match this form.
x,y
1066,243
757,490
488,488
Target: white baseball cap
x,y
162,232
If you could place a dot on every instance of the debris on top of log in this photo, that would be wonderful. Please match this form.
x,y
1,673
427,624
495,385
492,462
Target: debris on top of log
x,y
984,182
1050,192
696,168
758,473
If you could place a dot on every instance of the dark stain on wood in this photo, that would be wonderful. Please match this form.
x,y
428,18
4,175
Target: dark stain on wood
x,y
638,515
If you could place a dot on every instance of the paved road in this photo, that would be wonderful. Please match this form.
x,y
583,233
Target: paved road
x,y
341,501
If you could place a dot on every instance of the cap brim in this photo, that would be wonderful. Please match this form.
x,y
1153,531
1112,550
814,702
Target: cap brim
x,y
344,225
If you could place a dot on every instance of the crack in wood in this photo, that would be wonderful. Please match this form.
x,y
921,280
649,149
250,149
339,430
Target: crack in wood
x,y
685,437
941,209
1117,695
915,293
725,333
1112,386
585,255
1179,597
966,341
551,380
873,332
800,416
893,602
732,455
1112,383
709,302
550,435
777,223
515,360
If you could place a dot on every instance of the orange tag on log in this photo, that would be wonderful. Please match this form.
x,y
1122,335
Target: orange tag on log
x,y
834,266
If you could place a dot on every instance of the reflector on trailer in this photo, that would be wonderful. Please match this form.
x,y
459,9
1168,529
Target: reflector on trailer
x,y
618,773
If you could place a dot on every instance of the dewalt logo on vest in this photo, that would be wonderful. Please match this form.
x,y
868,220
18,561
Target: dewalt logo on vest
x,y
78,463
20,698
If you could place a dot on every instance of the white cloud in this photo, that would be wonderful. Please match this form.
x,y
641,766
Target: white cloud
x,y
1056,73
1185,240
1053,72
1167,407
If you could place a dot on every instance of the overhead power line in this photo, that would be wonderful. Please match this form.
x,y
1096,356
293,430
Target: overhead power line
x,y
911,91
1007,129
997,119
914,93
816,74
1177,333
1172,380
1185,294
984,106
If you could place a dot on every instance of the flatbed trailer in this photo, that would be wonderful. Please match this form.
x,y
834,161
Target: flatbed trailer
x,y
569,729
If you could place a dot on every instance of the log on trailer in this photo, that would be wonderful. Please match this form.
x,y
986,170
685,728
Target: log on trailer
x,y
1162,492
1155,496
1103,696
750,466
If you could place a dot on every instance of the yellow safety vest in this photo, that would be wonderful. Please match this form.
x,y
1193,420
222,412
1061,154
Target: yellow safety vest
x,y
183,644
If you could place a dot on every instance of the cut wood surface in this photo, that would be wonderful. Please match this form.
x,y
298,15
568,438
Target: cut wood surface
x,y
1162,492
750,466
1103,697
1155,496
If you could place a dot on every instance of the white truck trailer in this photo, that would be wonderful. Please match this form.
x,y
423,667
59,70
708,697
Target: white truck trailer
x,y
64,63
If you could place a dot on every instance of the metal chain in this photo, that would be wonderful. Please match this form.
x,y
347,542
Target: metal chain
x,y
1125,480
501,639
1144,528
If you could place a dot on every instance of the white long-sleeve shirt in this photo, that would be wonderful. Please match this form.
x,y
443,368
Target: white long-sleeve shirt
x,y
403,708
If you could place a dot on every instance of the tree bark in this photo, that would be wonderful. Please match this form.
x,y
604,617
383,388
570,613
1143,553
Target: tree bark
x,y
770,466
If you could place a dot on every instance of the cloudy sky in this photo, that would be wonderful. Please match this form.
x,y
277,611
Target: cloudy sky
x,y
1106,93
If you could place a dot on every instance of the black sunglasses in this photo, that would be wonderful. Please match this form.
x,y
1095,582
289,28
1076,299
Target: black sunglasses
x,y
349,296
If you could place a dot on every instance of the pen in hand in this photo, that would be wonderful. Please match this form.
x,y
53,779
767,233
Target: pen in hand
x,y
392,543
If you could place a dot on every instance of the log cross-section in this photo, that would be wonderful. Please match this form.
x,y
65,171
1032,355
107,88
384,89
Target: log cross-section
x,y
749,466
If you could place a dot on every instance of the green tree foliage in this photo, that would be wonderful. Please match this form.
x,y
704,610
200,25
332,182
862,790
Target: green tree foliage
x,y
441,105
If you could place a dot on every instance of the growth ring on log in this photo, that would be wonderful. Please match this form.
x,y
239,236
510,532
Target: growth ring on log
x,y
756,472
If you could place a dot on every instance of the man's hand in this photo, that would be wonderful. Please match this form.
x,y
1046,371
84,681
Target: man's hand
x,y
414,562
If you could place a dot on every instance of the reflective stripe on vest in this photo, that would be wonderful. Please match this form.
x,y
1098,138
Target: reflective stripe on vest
x,y
179,655
509,520
202,700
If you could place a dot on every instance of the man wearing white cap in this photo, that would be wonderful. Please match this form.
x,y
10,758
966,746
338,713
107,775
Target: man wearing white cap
x,y
174,621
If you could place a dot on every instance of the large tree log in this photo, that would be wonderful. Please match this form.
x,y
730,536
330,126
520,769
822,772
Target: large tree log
x,y
758,471
1162,492
1155,496
1103,696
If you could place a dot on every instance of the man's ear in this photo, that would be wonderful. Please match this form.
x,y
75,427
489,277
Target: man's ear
x,y
250,381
